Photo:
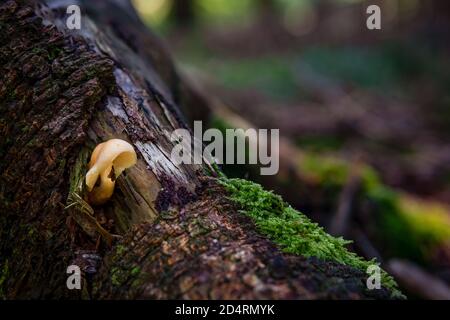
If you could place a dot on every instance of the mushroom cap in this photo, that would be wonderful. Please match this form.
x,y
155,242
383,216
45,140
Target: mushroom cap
x,y
114,153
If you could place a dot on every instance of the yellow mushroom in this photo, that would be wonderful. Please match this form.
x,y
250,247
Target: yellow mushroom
x,y
108,160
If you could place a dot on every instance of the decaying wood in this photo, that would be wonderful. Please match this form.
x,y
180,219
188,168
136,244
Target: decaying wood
x,y
61,93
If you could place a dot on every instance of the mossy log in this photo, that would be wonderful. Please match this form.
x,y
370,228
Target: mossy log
x,y
386,223
170,231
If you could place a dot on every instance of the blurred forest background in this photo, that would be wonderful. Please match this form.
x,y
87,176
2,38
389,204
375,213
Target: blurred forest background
x,y
364,115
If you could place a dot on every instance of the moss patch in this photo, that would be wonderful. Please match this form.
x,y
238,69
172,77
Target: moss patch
x,y
292,230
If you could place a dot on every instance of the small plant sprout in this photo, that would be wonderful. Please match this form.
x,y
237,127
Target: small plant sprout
x,y
108,160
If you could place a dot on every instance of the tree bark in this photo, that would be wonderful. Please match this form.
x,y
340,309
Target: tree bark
x,y
177,235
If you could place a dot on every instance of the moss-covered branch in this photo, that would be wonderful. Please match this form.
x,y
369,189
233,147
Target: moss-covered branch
x,y
292,230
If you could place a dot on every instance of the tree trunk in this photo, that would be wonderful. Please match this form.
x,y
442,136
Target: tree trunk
x,y
177,235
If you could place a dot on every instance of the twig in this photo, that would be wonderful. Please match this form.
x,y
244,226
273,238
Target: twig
x,y
418,281
339,222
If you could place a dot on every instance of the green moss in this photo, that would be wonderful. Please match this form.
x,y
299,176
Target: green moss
x,y
120,250
135,271
119,276
115,280
292,230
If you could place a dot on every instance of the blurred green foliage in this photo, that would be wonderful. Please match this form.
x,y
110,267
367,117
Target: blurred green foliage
x,y
270,75
316,143
412,228
157,12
